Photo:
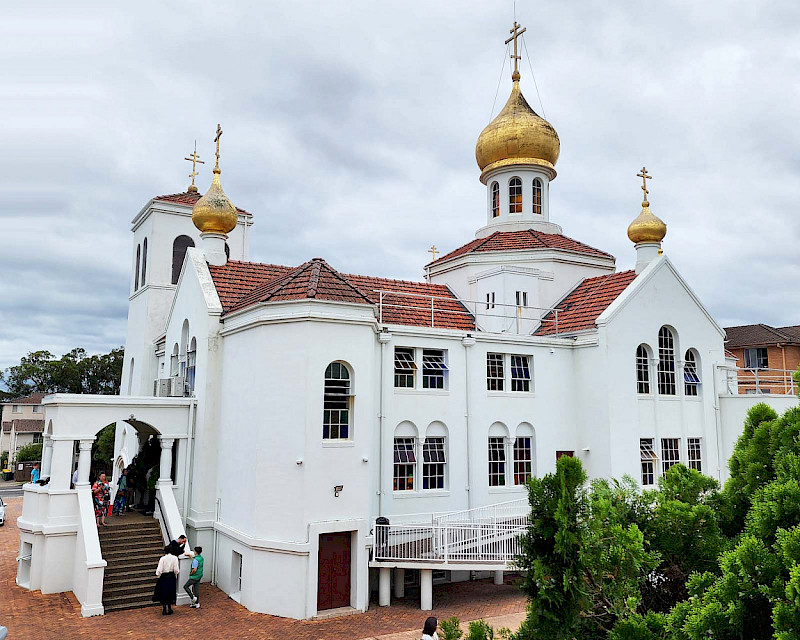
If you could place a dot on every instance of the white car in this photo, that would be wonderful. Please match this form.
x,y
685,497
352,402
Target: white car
x,y
2,512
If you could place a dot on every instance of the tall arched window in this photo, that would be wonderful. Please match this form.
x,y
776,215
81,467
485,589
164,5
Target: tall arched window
x,y
515,195
537,196
191,364
144,261
136,271
495,200
173,361
642,369
337,403
130,377
691,374
524,447
184,347
179,247
666,362
434,457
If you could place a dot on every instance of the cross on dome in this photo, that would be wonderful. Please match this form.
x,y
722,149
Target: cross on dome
x,y
517,31
216,139
645,177
195,160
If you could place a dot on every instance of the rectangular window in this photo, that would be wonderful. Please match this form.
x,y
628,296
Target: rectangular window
x,y
561,454
434,369
691,380
490,300
695,455
497,462
433,462
649,460
37,408
522,298
15,408
191,357
520,373
756,358
37,437
523,460
405,461
494,371
405,368
670,453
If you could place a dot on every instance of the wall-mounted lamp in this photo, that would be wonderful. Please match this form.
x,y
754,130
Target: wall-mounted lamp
x,y
337,489
298,462
365,459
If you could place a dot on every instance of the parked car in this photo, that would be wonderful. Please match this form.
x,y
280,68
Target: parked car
x,y
2,512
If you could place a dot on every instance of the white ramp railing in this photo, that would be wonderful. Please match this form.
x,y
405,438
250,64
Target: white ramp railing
x,y
514,512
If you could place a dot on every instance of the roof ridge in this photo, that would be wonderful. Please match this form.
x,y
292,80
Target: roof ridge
x,y
313,279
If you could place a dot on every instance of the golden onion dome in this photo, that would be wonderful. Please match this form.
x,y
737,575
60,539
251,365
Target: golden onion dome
x,y
214,212
647,227
517,136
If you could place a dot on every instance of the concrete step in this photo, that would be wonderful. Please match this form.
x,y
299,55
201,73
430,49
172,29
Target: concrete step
x,y
136,590
125,580
126,530
133,545
129,604
121,553
131,569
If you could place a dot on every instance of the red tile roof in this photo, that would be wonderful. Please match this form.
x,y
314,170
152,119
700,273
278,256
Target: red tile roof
x,y
34,398
190,199
759,335
524,241
236,279
580,309
28,426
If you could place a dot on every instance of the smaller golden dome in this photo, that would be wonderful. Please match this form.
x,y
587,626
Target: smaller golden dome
x,y
214,212
647,227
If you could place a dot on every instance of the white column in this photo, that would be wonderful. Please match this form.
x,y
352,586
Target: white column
x,y
165,468
384,586
426,589
498,577
399,583
646,252
47,456
84,461
214,248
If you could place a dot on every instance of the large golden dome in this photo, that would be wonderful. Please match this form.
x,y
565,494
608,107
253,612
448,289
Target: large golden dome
x,y
517,136
647,227
214,212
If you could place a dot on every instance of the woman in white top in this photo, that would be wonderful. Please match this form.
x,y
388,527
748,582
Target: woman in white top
x,y
429,630
167,584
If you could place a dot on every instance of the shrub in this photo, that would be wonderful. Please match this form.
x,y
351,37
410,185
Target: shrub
x,y
30,453
480,630
451,629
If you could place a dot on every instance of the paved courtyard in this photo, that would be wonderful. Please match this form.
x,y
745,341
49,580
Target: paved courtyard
x,y
33,615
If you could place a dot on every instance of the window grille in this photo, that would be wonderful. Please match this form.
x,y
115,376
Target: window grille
x,y
649,460
691,381
515,195
405,461
695,456
670,453
522,298
520,373
336,403
434,369
494,371
404,368
523,460
642,370
666,362
433,463
757,358
490,300
497,462
495,200
537,196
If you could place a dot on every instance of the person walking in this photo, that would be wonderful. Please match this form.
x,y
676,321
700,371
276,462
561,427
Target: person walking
x,y
192,586
122,492
429,630
167,583
35,473
101,496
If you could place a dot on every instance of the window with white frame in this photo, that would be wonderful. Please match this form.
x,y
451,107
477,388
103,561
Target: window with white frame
x,y
649,461
495,200
404,368
173,361
434,460
37,438
497,462
337,403
16,408
515,195
666,362
494,371
522,298
37,408
523,459
756,358
695,455
434,369
691,379
490,300
670,453
642,370
520,373
537,196
405,462
191,364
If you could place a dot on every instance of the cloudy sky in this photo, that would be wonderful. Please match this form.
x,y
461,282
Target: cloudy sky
x,y
350,130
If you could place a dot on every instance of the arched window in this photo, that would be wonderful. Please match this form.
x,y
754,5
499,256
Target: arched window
x,y
337,403
666,362
537,196
523,453
173,361
179,247
227,252
642,369
184,346
495,200
191,364
434,457
130,378
136,271
691,374
405,456
144,261
498,436
515,195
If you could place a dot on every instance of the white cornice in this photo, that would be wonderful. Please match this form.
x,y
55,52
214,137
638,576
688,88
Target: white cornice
x,y
517,256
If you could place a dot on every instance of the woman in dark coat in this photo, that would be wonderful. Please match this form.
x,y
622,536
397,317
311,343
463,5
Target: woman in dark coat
x,y
167,583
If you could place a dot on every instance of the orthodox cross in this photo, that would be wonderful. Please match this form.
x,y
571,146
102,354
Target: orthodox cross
x,y
433,251
517,31
645,177
216,139
195,160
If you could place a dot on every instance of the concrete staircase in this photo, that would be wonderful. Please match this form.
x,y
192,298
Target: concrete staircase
x,y
131,545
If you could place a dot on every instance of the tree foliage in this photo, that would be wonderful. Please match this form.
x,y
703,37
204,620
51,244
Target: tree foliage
x,y
30,452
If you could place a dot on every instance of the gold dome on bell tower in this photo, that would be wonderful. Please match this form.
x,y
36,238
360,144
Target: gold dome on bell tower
x,y
214,212
647,227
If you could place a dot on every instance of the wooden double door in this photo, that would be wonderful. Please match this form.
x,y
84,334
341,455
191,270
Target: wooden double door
x,y
333,581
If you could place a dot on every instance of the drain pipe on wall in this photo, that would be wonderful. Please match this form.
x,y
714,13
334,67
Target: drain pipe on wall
x,y
383,337
468,341
189,466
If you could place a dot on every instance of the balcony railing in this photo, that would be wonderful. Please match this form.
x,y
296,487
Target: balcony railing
x,y
513,512
761,381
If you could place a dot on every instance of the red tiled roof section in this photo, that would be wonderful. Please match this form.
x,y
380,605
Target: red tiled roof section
x,y
524,241
34,398
236,279
760,335
190,199
581,308
28,426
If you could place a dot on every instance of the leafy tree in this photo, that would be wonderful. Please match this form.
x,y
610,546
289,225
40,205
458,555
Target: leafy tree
x,y
29,452
103,449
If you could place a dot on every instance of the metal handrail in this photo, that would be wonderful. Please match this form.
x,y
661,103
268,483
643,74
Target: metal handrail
x,y
164,518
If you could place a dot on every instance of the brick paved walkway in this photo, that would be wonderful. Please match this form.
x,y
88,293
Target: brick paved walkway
x,y
57,617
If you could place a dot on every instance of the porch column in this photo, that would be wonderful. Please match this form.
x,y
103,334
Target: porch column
x,y
399,583
84,460
498,577
47,456
165,469
426,589
384,586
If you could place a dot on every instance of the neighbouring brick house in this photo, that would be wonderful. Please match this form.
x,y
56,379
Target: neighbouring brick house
x,y
767,356
22,423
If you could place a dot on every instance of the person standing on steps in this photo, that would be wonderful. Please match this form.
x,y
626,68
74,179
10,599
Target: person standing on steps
x,y
195,575
122,492
101,496
167,583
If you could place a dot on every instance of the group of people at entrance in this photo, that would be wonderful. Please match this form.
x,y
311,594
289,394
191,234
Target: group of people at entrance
x,y
168,571
101,496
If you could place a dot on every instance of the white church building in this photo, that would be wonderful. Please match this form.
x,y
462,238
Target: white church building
x,y
325,436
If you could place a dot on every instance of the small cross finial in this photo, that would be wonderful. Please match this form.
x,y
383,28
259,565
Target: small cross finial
x,y
645,177
433,251
195,160
517,31
216,139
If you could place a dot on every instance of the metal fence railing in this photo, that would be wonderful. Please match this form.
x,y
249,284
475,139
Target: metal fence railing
x,y
513,512
742,381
